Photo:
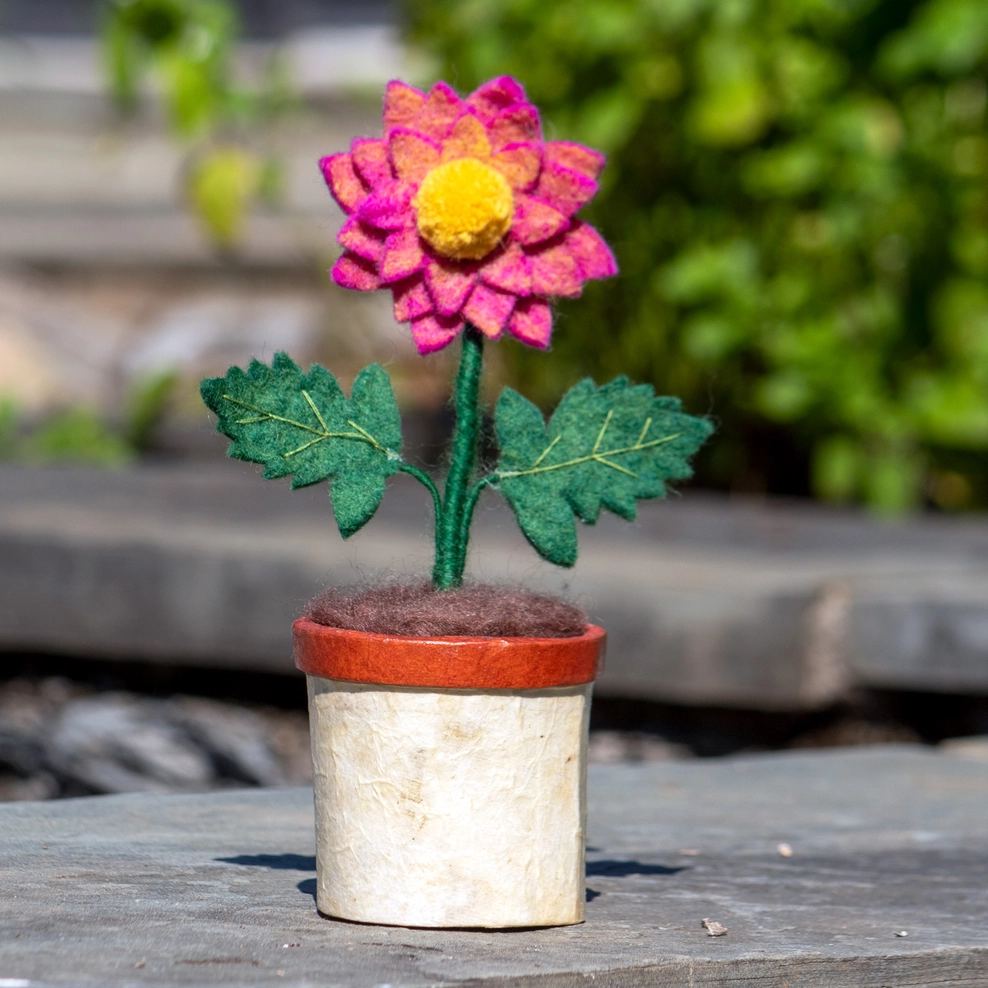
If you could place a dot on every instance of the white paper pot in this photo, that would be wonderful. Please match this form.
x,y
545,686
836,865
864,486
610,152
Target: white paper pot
x,y
452,804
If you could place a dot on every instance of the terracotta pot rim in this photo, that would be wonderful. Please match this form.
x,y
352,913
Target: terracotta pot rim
x,y
447,662
592,631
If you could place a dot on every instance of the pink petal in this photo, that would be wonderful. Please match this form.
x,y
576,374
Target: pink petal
x,y
519,164
581,159
467,139
355,272
449,284
488,309
496,95
508,271
390,208
442,108
532,322
343,181
370,158
564,189
536,221
362,240
555,271
402,104
411,299
432,332
412,154
514,125
402,255
592,255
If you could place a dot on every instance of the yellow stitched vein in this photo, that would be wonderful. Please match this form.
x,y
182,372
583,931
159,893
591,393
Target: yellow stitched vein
x,y
367,435
545,452
603,429
362,435
599,457
315,410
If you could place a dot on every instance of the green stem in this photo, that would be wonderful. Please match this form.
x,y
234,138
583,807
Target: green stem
x,y
426,481
450,534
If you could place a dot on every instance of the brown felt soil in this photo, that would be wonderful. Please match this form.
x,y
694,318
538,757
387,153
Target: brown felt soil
x,y
420,610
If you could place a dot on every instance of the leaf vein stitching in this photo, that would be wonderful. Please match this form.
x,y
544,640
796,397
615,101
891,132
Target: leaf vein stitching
x,y
361,435
598,457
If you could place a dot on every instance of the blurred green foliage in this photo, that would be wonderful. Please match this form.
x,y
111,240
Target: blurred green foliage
x,y
797,194
188,47
81,435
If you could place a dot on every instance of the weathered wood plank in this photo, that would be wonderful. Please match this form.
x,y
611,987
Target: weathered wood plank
x,y
208,889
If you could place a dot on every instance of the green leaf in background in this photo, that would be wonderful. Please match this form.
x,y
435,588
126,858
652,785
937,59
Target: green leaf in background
x,y
187,48
797,196
76,435
303,425
222,187
147,404
9,437
603,447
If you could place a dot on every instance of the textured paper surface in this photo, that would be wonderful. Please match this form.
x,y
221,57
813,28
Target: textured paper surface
x,y
450,807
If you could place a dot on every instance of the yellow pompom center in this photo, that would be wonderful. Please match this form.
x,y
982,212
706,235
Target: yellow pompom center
x,y
463,208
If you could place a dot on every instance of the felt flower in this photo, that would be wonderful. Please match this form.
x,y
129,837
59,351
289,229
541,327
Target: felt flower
x,y
467,214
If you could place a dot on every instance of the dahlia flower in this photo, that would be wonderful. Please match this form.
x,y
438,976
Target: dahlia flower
x,y
467,214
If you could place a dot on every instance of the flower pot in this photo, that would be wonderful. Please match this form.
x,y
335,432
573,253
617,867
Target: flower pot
x,y
450,775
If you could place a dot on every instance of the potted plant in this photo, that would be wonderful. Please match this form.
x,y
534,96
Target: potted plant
x,y
449,735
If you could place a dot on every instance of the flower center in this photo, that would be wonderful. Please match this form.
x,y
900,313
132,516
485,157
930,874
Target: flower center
x,y
463,208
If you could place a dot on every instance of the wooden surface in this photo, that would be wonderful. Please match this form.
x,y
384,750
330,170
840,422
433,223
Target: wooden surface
x,y
705,600
217,889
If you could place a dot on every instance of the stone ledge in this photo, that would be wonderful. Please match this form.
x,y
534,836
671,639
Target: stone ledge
x,y
705,601
201,890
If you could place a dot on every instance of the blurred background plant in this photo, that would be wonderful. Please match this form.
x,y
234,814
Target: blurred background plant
x,y
188,47
797,197
78,434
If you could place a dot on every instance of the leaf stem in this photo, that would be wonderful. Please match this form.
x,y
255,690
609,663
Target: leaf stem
x,y
426,481
450,532
471,502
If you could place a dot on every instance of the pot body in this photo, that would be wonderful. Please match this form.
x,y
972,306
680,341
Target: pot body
x,y
450,806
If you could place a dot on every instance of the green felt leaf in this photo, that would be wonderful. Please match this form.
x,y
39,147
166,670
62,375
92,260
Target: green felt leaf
x,y
605,447
304,425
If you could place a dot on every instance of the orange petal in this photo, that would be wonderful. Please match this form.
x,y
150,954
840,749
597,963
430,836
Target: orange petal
x,y
412,155
362,240
449,284
432,332
565,189
516,124
496,95
467,139
592,255
581,159
508,271
535,220
532,322
402,104
411,299
488,309
442,108
370,158
355,272
402,256
519,164
343,181
555,272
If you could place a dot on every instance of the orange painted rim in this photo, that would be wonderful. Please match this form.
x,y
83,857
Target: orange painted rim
x,y
447,663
